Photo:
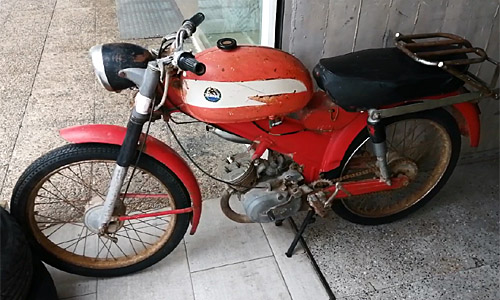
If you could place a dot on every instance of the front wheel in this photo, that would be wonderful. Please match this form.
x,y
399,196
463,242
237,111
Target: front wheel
x,y
53,196
424,146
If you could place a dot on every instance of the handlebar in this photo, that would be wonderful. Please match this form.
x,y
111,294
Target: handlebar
x,y
187,62
196,19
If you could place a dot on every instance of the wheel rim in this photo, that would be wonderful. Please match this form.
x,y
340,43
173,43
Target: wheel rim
x,y
57,209
422,141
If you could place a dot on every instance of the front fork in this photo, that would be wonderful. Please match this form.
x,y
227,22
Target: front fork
x,y
128,150
376,130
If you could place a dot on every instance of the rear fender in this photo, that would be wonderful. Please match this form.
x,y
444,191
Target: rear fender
x,y
467,116
111,134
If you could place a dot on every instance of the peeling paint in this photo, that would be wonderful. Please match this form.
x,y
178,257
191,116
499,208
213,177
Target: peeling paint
x,y
266,99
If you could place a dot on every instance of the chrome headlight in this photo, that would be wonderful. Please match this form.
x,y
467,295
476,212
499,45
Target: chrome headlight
x,y
109,59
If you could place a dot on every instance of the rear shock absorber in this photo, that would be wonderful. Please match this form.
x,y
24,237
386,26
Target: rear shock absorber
x,y
376,130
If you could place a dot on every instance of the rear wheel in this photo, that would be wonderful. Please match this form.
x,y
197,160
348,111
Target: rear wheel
x,y
53,196
423,146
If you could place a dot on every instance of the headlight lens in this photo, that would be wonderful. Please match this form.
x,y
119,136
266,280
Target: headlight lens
x,y
98,64
109,59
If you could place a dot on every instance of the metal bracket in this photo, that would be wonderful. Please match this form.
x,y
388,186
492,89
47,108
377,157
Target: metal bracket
x,y
426,104
436,49
338,187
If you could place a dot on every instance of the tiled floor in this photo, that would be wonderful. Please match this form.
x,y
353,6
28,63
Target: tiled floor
x,y
223,260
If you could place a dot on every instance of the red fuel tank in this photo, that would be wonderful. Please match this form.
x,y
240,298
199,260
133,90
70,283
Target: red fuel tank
x,y
244,84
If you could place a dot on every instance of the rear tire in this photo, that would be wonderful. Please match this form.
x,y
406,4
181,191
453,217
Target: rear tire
x,y
52,197
440,146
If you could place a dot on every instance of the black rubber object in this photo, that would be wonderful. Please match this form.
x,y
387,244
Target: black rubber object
x,y
42,284
72,153
227,44
15,259
187,62
197,19
129,145
439,116
376,77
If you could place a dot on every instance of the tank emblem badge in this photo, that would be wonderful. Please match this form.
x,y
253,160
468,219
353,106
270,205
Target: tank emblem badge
x,y
212,94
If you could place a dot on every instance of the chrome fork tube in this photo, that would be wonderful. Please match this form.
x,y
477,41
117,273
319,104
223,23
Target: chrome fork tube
x,y
128,150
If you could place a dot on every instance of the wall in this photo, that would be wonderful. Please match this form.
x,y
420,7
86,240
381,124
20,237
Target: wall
x,y
322,28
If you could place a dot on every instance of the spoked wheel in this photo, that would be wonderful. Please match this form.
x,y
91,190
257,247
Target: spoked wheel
x,y
422,146
55,197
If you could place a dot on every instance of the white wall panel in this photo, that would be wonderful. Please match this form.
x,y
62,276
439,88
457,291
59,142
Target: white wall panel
x,y
323,28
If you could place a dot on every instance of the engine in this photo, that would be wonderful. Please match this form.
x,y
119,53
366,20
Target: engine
x,y
269,189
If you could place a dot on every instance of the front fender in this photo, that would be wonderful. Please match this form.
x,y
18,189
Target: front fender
x,y
111,134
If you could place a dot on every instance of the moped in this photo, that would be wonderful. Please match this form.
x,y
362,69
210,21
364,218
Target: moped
x,y
376,142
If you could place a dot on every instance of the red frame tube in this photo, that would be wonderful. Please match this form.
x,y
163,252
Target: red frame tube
x,y
156,214
145,195
367,186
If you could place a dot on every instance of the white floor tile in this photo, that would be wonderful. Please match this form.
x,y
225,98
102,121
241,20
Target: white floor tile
x,y
168,279
70,285
220,241
298,272
257,279
280,237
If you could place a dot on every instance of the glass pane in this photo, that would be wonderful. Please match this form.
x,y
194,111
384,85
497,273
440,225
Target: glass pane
x,y
238,19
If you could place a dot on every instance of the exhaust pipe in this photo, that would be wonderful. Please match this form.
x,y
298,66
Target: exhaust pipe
x,y
229,212
228,136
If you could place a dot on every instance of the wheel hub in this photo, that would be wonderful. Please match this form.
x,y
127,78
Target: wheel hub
x,y
404,166
95,209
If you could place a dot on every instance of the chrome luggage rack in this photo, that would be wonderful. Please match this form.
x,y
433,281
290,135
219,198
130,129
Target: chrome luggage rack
x,y
423,52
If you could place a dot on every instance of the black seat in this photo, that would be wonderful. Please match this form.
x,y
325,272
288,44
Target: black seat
x,y
377,77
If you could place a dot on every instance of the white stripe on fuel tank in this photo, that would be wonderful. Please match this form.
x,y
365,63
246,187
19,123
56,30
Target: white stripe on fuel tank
x,y
236,94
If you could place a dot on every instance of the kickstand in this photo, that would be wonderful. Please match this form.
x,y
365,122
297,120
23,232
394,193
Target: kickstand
x,y
308,220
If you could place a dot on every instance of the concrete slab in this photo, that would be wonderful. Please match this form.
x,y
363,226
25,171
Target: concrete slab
x,y
60,108
26,23
78,72
34,5
220,241
112,108
32,142
19,47
455,232
69,42
256,279
474,284
168,278
73,21
76,4
106,22
105,3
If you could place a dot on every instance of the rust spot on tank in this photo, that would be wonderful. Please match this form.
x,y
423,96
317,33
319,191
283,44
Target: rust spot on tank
x,y
265,99
176,84
222,70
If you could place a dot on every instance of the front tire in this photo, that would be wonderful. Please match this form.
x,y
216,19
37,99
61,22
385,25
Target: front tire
x,y
51,198
431,140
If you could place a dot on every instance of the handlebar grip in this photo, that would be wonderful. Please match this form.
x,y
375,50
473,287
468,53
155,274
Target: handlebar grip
x,y
197,19
187,62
